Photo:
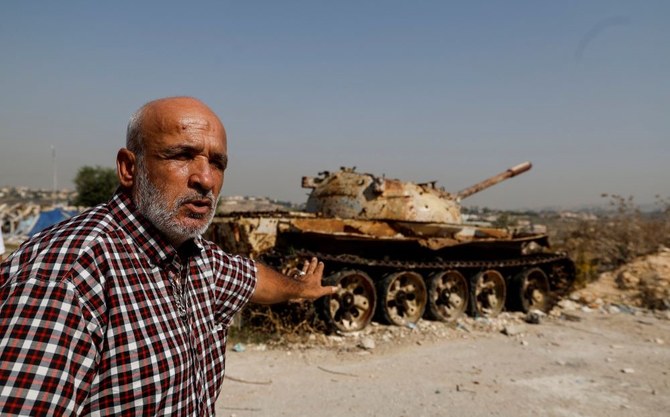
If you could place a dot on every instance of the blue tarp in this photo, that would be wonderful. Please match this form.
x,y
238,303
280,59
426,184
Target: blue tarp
x,y
48,218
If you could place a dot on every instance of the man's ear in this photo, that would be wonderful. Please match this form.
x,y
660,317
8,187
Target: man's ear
x,y
125,167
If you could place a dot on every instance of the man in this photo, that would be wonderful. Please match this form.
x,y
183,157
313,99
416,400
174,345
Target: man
x,y
124,309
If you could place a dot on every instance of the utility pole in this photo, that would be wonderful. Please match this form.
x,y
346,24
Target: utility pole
x,y
55,181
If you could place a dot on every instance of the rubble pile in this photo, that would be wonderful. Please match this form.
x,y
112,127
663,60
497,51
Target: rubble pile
x,y
643,283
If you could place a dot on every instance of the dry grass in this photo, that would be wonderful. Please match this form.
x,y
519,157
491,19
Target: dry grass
x,y
612,239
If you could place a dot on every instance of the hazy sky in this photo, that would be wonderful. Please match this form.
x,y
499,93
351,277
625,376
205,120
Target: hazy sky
x,y
417,90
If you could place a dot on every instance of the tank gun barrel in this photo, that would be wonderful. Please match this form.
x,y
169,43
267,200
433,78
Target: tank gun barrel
x,y
489,182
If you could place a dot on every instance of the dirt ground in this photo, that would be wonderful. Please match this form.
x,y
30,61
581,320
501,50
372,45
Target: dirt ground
x,y
593,356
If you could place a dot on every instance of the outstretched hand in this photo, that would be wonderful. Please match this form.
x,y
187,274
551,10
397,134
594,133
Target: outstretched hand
x,y
273,287
310,276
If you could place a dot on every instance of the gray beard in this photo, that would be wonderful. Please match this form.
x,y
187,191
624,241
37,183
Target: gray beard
x,y
151,204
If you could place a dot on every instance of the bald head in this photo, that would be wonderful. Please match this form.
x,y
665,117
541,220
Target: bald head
x,y
168,115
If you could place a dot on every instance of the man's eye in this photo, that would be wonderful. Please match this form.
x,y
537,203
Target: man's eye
x,y
182,156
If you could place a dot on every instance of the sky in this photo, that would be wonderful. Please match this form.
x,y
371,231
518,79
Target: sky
x,y
444,91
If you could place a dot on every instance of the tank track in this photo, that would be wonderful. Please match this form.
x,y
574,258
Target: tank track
x,y
403,298
561,279
529,260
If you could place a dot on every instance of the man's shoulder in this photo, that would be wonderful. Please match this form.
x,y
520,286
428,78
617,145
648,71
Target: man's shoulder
x,y
212,250
76,231
223,260
59,247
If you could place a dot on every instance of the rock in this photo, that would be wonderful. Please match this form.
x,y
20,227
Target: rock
x,y
367,343
654,291
628,370
462,326
568,305
513,329
627,280
534,317
612,309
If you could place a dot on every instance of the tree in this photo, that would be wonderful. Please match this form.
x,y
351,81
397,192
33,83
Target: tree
x,y
94,185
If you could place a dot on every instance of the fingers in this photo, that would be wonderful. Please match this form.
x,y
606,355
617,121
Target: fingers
x,y
311,274
313,266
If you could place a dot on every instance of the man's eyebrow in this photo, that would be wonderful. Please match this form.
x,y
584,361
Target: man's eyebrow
x,y
177,149
221,158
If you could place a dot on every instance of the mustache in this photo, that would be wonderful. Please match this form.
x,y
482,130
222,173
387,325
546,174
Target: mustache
x,y
197,197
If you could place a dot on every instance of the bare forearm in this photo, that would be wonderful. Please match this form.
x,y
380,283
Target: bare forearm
x,y
273,287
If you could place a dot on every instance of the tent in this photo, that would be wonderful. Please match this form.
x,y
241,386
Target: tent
x,y
43,220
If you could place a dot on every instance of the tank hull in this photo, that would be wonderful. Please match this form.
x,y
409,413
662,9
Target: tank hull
x,y
399,271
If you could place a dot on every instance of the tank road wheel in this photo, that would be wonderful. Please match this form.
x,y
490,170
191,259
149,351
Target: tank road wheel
x,y
402,298
351,308
531,291
447,295
488,293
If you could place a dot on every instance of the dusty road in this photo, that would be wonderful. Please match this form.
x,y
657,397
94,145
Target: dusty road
x,y
605,364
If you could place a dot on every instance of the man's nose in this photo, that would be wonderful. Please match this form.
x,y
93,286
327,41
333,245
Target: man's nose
x,y
202,175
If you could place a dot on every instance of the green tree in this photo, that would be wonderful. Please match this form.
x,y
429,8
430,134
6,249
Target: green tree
x,y
94,185
503,220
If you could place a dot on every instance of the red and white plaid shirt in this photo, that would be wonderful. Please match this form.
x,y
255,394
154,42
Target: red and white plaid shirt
x,y
90,324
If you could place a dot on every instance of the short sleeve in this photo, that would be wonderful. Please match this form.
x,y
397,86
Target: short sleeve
x,y
235,284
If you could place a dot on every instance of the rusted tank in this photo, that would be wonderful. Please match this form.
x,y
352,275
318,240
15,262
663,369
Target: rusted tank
x,y
399,251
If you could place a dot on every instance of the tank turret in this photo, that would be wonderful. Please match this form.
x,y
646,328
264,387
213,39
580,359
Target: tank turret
x,y
348,194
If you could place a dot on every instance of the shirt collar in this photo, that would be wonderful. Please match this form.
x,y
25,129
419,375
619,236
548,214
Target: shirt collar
x,y
145,236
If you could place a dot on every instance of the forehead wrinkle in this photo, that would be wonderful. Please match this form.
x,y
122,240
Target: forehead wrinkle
x,y
173,117
194,122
